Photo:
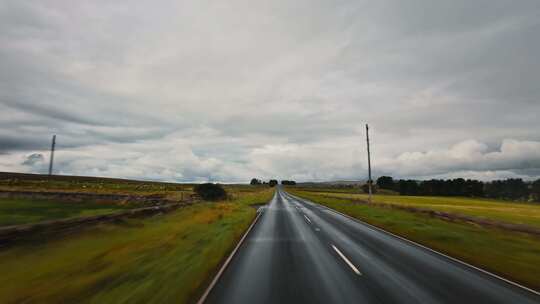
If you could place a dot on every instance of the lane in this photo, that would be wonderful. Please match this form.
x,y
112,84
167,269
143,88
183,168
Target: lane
x,y
405,273
284,261
301,252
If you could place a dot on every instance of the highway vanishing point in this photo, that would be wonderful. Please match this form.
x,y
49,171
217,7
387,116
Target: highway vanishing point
x,y
302,252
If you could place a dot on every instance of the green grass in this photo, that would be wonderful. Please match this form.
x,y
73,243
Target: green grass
x,y
512,255
510,212
23,211
163,259
63,183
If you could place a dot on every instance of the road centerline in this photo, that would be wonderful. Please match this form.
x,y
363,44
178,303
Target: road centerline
x,y
347,260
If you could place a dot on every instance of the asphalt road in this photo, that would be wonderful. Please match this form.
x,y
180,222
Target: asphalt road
x,y
301,252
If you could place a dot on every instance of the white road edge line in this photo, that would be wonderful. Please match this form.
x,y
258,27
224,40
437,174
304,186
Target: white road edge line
x,y
426,248
202,299
307,218
347,261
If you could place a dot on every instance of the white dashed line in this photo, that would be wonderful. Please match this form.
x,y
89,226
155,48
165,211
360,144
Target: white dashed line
x,y
347,261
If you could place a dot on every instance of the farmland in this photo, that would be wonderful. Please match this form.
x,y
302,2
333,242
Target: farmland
x,y
511,212
163,258
16,211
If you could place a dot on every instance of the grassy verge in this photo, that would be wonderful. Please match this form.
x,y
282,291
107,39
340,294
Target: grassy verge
x,y
510,212
25,211
512,255
163,259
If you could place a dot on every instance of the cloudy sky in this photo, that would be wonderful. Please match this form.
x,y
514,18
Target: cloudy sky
x,y
229,90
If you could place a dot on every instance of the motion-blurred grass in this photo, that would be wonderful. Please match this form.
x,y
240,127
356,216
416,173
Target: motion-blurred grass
x,y
163,259
510,254
16,211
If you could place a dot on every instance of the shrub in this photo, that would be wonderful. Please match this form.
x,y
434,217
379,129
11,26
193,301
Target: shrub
x,y
385,182
288,182
255,181
365,188
211,192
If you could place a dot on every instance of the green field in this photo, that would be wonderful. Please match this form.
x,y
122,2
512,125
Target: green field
x,y
510,254
64,183
24,211
510,212
162,259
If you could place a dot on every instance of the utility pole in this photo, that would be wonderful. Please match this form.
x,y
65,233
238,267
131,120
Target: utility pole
x,y
369,163
52,155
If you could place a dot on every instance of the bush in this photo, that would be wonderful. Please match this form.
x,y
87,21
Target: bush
x,y
365,188
255,182
288,182
211,192
385,182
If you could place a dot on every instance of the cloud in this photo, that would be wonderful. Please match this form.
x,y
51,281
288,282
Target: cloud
x,y
33,159
227,87
470,158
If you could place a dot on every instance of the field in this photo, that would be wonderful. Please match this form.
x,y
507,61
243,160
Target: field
x,y
37,206
16,211
155,260
510,254
59,183
510,212
165,258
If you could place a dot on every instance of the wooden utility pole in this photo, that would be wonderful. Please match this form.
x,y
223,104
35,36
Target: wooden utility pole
x,y
369,163
52,155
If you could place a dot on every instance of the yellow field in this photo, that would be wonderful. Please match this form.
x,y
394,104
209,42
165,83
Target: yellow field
x,y
510,212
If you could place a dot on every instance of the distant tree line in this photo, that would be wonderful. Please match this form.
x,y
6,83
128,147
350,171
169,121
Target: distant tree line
x,y
288,182
511,189
272,182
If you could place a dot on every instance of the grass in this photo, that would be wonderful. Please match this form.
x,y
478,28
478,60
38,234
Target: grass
x,y
512,255
163,259
16,211
510,212
63,183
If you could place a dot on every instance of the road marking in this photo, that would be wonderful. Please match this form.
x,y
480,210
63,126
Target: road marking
x,y
458,261
317,229
307,218
347,261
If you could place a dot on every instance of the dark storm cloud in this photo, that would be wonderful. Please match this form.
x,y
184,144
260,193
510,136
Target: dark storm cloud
x,y
226,91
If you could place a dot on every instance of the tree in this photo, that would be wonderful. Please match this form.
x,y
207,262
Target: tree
x,y
365,188
385,182
512,188
535,190
288,182
273,182
408,187
211,192
255,181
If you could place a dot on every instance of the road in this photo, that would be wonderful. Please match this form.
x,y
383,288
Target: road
x,y
301,252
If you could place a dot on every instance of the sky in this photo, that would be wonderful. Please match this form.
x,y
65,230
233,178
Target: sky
x,y
193,91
